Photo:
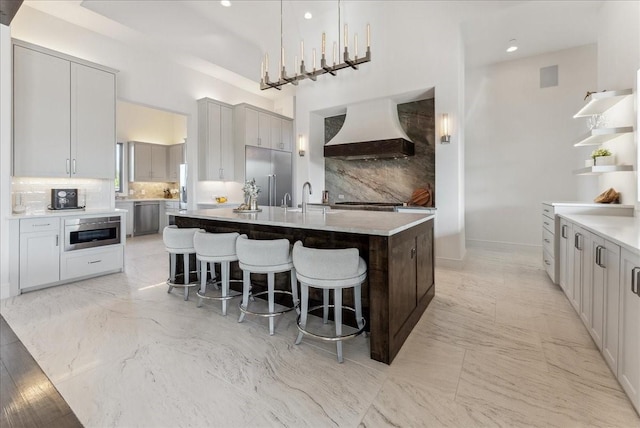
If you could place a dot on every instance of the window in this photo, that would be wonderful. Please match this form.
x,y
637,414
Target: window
x,y
119,185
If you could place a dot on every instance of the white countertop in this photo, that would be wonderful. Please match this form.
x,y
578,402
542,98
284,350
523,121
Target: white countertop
x,y
586,204
624,231
349,221
147,199
67,213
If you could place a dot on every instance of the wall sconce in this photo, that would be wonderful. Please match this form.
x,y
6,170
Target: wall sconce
x,y
444,130
300,145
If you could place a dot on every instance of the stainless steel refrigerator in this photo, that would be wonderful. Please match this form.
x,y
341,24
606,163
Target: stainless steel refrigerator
x,y
272,171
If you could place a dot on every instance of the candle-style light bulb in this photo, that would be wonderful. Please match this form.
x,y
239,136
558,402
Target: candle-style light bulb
x,y
261,69
324,41
335,47
368,35
346,37
266,62
302,50
313,51
355,45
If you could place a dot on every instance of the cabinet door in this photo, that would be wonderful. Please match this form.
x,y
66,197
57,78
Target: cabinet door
x,y
276,133
141,160
610,261
226,144
287,135
586,280
176,157
41,114
252,127
264,130
562,259
597,264
629,327
424,263
39,258
93,122
159,159
402,271
576,267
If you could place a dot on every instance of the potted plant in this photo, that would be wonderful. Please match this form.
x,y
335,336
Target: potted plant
x,y
602,157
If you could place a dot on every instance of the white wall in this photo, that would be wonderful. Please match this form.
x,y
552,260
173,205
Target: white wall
x,y
5,155
618,64
140,123
417,66
519,143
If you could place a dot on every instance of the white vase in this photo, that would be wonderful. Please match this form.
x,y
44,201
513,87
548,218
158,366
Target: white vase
x,y
588,163
604,160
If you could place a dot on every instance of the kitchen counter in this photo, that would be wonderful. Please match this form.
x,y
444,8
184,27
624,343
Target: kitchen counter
x,y
397,248
68,213
624,231
590,204
348,221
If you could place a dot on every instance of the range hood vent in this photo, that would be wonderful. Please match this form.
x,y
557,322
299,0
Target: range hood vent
x,y
371,130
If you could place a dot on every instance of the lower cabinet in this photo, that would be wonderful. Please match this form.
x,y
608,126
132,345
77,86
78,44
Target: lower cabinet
x,y
629,326
39,252
602,282
127,205
90,262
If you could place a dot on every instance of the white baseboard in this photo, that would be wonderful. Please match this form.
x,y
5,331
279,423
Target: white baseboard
x,y
504,246
5,290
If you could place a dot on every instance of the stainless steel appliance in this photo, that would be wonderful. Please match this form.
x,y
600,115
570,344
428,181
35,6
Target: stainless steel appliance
x,y
183,186
146,217
91,232
272,171
64,199
368,206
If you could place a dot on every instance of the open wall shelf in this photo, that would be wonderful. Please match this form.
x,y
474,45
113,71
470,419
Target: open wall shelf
x,y
599,102
595,170
598,136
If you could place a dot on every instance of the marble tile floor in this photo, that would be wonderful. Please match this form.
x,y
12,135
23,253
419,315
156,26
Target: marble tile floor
x,y
499,345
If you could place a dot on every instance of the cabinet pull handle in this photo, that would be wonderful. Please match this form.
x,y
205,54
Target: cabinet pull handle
x,y
576,242
563,232
68,163
546,210
547,241
43,224
635,278
74,166
546,223
413,252
93,262
598,255
546,262
57,240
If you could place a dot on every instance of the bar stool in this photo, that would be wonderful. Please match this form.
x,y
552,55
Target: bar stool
x,y
212,248
329,270
270,257
180,241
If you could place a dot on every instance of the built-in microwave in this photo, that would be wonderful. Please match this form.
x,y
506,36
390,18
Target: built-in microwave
x,y
91,232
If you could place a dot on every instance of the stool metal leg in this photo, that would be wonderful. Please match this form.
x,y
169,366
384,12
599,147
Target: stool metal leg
x,y
224,272
246,285
294,290
203,280
270,288
337,316
304,309
325,302
185,258
357,297
172,270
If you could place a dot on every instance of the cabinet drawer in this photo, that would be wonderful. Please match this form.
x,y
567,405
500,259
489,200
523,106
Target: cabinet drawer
x,y
39,224
548,223
548,210
549,264
547,241
77,264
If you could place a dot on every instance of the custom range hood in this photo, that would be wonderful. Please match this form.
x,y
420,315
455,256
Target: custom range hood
x,y
371,130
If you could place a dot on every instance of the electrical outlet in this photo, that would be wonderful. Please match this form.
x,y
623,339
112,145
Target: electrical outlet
x,y
143,192
340,196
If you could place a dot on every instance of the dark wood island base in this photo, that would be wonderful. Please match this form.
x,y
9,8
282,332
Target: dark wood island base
x,y
400,278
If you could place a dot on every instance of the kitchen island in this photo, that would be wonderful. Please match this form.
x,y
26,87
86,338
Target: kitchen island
x,y
397,247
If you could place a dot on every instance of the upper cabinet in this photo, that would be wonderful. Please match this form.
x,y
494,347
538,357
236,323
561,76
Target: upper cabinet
x,y
215,141
64,115
260,128
599,103
176,157
148,162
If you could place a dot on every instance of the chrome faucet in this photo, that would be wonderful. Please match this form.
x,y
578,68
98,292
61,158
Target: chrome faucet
x,y
284,201
305,201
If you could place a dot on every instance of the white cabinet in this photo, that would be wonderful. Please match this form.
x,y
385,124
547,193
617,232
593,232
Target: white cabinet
x,y
39,252
127,205
604,292
255,127
176,157
64,116
566,256
629,326
215,141
166,209
287,135
281,134
147,162
91,262
580,258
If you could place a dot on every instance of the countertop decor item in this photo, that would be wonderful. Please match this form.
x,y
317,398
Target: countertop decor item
x,y
602,157
421,197
609,196
300,72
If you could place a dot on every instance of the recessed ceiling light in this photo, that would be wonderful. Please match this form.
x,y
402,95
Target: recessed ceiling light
x,y
308,15
225,3
512,46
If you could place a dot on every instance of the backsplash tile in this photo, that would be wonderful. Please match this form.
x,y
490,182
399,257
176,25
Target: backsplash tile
x,y
142,190
35,192
386,180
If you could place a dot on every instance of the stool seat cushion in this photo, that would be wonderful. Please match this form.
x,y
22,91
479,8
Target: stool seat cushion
x,y
328,266
221,246
179,240
266,269
260,254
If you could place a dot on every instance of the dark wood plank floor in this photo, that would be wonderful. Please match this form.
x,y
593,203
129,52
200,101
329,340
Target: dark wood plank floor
x,y
27,397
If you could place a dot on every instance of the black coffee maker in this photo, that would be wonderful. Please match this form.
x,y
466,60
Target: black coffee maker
x,y
62,199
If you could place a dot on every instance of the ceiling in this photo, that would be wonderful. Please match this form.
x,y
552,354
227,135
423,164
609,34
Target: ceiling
x,y
229,42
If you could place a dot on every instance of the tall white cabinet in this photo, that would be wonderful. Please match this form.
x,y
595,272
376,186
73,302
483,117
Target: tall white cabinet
x,y
73,104
629,326
215,140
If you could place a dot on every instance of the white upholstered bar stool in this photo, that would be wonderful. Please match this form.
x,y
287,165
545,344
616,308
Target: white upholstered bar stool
x,y
329,270
265,257
212,248
180,241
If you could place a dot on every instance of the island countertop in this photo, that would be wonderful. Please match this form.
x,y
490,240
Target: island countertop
x,y
348,221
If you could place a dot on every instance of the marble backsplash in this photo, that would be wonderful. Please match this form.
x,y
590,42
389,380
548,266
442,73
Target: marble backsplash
x,y
142,190
386,180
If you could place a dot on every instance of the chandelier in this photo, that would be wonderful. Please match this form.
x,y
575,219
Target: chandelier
x,y
300,70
